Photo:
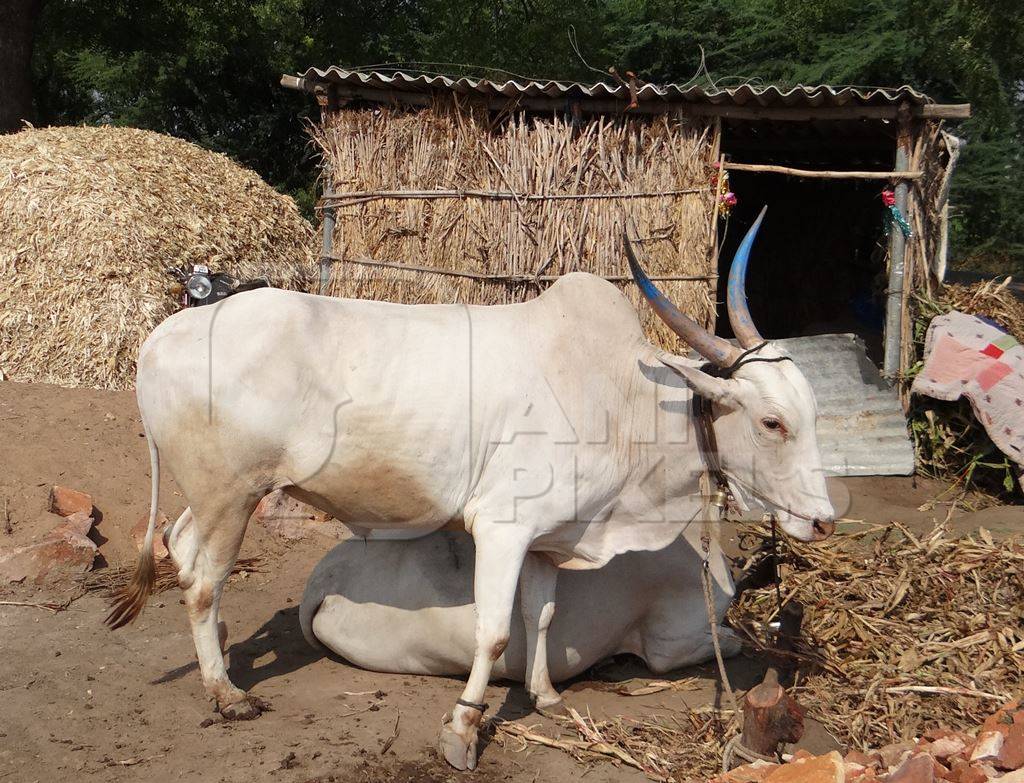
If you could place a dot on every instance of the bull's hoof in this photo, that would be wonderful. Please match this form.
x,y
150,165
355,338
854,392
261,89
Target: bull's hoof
x,y
248,708
551,702
457,750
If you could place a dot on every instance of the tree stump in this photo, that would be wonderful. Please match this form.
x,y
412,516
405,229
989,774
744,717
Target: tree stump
x,y
770,715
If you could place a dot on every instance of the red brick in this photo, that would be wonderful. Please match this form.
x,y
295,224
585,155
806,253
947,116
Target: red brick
x,y
748,773
60,555
1011,755
988,746
292,519
916,769
139,534
817,769
66,501
895,754
948,746
963,772
864,759
1002,718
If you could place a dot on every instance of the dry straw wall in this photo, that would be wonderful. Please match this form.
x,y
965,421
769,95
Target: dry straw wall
x,y
573,182
90,218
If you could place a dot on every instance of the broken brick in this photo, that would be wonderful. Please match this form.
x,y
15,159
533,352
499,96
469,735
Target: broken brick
x,y
65,501
816,769
63,553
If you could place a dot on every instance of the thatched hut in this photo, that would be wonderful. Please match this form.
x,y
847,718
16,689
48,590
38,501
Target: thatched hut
x,y
443,190
440,189
91,218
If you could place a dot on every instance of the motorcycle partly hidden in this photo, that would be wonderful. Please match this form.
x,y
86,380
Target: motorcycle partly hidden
x,y
201,287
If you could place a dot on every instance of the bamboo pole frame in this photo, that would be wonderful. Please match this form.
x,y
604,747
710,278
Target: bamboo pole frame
x,y
361,196
511,279
494,213
897,255
822,174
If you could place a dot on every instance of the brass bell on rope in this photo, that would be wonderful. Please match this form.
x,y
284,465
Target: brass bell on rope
x,y
720,498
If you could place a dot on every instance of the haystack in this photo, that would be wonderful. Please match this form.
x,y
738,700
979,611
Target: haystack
x,y
449,203
90,219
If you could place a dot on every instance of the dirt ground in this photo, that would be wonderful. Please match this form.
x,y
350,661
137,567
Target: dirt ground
x,y
84,702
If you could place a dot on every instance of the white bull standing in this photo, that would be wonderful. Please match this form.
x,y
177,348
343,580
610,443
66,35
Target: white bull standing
x,y
551,431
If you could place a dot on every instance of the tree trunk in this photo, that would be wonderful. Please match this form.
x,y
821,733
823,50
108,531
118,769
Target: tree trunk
x,y
17,30
770,717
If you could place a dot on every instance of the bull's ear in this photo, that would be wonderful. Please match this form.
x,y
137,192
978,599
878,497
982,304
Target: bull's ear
x,y
723,391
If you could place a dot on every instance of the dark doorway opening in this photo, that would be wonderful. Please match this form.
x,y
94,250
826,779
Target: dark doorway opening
x,y
818,265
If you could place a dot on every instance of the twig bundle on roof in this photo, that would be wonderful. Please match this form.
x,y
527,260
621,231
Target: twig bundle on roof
x,y
502,206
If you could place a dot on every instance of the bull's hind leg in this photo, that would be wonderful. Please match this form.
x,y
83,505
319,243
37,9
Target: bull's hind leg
x,y
216,537
537,598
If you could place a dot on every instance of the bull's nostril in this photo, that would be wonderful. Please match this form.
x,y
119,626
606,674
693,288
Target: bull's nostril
x,y
823,528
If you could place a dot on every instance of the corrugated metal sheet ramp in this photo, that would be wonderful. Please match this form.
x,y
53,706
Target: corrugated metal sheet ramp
x,y
861,427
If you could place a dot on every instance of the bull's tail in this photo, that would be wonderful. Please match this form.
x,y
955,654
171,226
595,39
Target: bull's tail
x,y
128,602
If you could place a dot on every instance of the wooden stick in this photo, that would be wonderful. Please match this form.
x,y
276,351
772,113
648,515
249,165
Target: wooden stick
x,y
713,238
813,173
54,608
941,689
497,278
362,196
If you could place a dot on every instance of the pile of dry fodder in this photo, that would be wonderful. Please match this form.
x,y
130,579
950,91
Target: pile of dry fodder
x,y
949,441
492,210
90,219
902,633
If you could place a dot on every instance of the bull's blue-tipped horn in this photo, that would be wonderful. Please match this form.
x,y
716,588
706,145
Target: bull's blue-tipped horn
x,y
714,349
736,294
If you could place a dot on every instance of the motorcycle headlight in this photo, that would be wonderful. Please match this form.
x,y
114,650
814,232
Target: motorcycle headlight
x,y
199,286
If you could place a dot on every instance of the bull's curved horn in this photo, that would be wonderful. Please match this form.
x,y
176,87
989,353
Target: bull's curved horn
x,y
736,296
712,348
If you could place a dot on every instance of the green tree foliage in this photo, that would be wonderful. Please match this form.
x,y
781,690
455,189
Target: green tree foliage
x,y
956,51
208,71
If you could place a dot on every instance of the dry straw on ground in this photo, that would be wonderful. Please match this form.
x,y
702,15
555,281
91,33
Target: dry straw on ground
x,y
911,630
525,198
90,218
902,633
111,581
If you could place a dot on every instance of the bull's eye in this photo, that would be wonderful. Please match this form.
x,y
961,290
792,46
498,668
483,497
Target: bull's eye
x,y
772,424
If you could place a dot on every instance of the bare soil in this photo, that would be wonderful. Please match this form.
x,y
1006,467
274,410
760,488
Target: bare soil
x,y
79,701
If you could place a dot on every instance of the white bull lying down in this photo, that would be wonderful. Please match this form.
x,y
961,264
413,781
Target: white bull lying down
x,y
550,428
646,603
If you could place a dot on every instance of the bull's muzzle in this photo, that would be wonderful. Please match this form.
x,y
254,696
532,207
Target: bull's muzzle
x,y
823,528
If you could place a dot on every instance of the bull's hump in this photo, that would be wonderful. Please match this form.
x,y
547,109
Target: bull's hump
x,y
589,299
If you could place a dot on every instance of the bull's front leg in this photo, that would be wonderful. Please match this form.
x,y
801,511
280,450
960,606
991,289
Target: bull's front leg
x,y
500,549
537,598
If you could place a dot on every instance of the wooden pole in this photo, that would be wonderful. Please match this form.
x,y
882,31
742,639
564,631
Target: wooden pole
x,y
359,197
498,278
819,174
897,252
327,100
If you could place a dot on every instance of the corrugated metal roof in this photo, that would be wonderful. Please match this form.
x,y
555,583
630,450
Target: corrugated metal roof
x,y
861,427
745,95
